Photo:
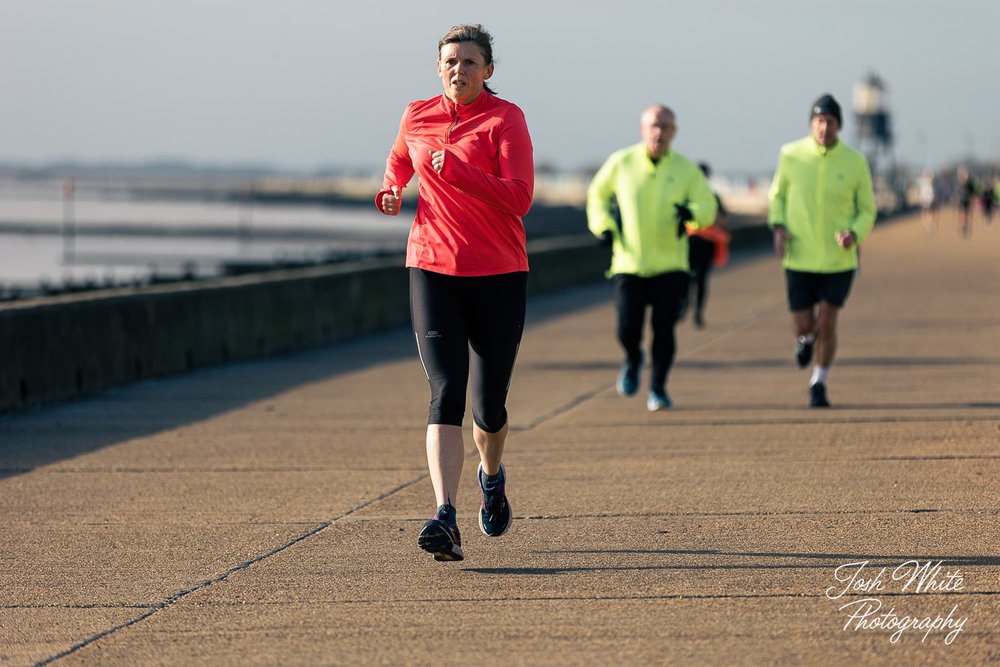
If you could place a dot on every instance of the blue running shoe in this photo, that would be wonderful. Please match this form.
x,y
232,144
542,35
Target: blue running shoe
x,y
494,513
658,400
440,535
628,378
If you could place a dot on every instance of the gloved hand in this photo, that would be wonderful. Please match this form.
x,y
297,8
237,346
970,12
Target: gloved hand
x,y
683,215
607,239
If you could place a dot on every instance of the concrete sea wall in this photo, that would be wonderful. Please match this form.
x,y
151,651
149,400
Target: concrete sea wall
x,y
63,347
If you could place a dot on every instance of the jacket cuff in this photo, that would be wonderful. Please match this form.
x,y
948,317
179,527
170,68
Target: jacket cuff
x,y
378,199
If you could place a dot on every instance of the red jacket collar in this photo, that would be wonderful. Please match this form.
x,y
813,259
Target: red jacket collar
x,y
454,108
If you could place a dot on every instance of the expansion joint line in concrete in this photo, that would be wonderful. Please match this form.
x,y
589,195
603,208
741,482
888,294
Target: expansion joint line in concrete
x,y
176,597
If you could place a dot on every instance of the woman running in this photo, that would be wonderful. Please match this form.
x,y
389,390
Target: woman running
x,y
468,269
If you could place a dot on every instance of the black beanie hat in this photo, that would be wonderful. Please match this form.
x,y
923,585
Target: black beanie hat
x,y
826,104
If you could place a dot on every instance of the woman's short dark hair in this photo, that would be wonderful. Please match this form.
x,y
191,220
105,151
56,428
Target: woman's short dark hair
x,y
476,34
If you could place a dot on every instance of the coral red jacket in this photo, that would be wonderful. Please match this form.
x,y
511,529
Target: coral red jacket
x,y
468,220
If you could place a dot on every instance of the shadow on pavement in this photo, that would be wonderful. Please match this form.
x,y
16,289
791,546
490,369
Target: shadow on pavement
x,y
827,561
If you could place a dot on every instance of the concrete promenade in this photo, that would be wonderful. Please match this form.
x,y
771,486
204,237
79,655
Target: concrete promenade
x,y
267,512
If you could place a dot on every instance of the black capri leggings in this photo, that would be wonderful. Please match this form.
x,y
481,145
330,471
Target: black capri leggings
x,y
453,315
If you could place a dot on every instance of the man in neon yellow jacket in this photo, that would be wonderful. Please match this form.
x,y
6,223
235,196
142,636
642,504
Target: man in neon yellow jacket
x,y
822,207
656,191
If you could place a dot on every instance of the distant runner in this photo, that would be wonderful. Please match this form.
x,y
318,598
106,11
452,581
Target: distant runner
x,y
822,207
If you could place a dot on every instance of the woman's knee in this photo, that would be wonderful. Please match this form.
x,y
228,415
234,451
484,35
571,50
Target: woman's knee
x,y
447,404
490,420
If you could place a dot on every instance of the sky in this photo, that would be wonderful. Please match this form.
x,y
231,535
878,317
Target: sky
x,y
309,84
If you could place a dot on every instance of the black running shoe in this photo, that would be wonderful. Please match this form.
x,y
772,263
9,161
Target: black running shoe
x,y
440,535
817,396
494,513
804,350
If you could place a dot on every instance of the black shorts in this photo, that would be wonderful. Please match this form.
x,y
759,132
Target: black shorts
x,y
805,289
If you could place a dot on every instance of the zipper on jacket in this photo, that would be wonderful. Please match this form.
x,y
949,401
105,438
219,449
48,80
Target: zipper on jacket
x,y
447,135
821,203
